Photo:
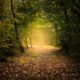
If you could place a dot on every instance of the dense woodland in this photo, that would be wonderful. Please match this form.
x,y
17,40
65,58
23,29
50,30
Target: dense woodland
x,y
39,39
17,15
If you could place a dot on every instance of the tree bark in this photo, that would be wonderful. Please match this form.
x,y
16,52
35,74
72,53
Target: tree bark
x,y
1,15
66,44
16,29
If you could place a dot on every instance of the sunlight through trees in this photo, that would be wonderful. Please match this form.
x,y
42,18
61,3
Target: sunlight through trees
x,y
39,39
40,32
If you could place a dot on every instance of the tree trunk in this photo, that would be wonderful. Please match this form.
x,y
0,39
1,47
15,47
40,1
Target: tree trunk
x,y
16,29
1,15
68,29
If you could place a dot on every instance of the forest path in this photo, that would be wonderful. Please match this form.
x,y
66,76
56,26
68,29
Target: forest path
x,y
41,67
42,50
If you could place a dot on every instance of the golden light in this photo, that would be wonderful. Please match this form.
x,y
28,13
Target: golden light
x,y
41,34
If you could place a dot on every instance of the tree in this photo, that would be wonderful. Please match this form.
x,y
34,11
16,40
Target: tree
x,y
16,29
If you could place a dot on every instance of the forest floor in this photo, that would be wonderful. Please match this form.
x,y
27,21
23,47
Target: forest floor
x,y
42,64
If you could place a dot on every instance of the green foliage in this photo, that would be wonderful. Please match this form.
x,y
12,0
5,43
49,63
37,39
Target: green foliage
x,y
63,15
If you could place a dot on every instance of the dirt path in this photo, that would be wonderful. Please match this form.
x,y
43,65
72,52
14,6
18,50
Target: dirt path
x,y
46,67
